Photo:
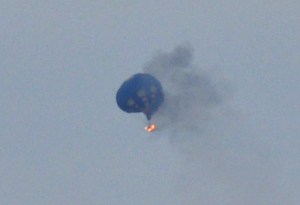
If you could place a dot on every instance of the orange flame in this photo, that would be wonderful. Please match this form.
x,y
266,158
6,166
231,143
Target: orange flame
x,y
151,127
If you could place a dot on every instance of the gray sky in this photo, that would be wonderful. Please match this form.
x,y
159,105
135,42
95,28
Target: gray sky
x,y
65,141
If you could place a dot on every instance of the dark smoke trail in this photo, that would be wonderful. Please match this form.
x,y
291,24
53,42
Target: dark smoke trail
x,y
190,94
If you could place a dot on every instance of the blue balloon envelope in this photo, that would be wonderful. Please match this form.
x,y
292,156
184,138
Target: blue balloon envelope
x,y
140,93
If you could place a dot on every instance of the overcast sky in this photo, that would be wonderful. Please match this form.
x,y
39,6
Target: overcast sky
x,y
63,140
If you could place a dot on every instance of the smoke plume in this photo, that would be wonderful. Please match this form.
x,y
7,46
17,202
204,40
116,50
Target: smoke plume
x,y
191,96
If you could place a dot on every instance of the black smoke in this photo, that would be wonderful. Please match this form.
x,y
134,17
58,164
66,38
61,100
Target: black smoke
x,y
191,96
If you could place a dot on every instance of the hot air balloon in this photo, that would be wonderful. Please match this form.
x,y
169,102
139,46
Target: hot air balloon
x,y
140,93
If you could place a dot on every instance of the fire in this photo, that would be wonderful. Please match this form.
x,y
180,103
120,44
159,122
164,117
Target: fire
x,y
151,127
